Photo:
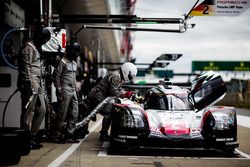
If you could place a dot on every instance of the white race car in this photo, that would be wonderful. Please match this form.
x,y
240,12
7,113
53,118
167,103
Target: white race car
x,y
172,116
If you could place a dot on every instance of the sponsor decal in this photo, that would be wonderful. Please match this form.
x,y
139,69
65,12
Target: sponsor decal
x,y
220,8
120,140
231,143
195,132
127,137
224,139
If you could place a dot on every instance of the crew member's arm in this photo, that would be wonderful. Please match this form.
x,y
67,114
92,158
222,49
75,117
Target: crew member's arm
x,y
27,54
57,78
115,85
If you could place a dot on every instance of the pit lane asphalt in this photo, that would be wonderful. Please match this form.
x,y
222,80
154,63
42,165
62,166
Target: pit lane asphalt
x,y
92,153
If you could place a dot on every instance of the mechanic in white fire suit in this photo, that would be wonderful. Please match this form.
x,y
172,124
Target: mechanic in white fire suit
x,y
65,82
30,82
110,85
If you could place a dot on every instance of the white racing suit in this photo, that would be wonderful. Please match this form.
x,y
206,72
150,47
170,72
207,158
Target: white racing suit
x,y
65,82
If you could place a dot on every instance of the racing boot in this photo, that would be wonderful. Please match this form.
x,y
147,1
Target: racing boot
x,y
69,138
104,137
106,122
35,143
81,132
57,139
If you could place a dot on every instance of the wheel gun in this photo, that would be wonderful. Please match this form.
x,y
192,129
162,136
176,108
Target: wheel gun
x,y
31,99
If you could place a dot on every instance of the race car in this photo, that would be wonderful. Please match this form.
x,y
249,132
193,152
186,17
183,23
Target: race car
x,y
175,117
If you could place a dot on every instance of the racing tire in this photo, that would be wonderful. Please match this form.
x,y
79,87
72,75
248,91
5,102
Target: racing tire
x,y
10,152
24,137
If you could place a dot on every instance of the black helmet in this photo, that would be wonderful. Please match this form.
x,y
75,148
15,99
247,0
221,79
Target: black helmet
x,y
73,50
76,47
40,33
45,32
41,36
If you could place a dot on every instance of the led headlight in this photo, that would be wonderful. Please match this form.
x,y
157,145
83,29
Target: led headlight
x,y
224,121
133,119
138,122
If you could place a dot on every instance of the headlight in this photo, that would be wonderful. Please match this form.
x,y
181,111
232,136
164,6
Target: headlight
x,y
138,121
133,119
224,121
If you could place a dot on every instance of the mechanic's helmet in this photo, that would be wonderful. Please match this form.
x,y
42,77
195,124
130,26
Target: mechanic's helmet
x,y
40,33
128,71
45,35
73,50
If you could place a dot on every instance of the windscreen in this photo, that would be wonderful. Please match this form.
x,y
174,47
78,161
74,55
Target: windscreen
x,y
178,102
172,102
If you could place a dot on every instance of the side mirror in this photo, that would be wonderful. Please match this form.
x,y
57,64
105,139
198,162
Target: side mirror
x,y
207,89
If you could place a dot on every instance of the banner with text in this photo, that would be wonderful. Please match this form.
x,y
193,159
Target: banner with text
x,y
220,8
220,65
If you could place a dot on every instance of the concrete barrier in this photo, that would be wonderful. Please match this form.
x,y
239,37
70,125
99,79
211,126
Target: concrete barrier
x,y
233,98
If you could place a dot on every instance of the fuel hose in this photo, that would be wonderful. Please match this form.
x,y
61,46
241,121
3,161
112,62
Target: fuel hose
x,y
2,44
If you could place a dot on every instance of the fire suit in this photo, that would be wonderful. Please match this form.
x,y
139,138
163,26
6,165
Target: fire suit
x,y
108,86
65,83
31,85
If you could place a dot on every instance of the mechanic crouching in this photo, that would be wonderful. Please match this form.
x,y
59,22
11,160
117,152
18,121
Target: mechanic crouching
x,y
110,85
64,77
30,83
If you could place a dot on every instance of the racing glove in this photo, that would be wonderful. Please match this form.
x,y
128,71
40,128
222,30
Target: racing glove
x,y
127,94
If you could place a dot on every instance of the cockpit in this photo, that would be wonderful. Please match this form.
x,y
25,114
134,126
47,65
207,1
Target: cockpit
x,y
160,100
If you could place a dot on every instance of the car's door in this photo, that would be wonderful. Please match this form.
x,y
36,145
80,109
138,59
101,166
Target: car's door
x,y
207,89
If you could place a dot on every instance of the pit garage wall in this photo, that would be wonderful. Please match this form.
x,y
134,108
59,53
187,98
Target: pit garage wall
x,y
11,15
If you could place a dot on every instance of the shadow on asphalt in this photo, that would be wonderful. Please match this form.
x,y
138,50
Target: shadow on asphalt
x,y
167,152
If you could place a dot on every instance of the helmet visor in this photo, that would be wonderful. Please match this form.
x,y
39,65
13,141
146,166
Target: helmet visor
x,y
130,76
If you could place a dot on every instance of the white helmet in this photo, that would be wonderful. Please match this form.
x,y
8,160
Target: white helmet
x,y
129,71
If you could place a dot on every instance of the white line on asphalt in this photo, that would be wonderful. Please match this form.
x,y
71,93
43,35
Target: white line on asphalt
x,y
72,148
105,145
243,154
